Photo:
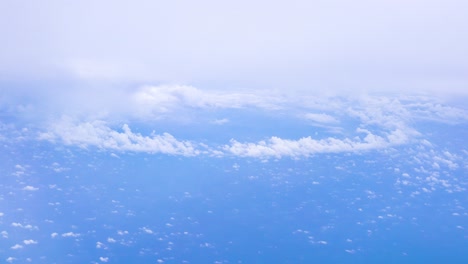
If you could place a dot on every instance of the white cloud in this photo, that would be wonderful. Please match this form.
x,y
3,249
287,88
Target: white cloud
x,y
29,242
98,134
147,230
104,259
54,235
30,188
121,233
321,118
17,246
100,245
10,259
304,147
70,234
385,121
28,226
221,121
154,100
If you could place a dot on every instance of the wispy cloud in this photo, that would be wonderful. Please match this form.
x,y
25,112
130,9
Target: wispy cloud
x,y
321,118
156,100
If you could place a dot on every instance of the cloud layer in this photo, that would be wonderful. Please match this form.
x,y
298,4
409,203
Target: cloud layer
x,y
359,123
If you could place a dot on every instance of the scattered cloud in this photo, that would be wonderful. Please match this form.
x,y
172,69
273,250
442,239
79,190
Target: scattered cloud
x,y
17,246
30,188
28,226
70,234
147,230
29,242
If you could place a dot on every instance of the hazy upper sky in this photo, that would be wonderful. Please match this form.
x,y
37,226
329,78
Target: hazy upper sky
x,y
332,45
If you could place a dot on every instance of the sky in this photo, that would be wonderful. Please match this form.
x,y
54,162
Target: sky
x,y
105,67
304,46
158,130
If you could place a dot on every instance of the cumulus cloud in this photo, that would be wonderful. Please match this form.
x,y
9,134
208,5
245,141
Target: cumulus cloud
x,y
30,242
98,134
28,226
147,230
30,188
70,234
17,246
307,146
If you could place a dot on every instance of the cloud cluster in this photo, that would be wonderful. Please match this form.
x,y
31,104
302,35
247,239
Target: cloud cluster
x,y
98,134
305,147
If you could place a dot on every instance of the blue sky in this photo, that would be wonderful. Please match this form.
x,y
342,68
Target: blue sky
x,y
129,130
364,71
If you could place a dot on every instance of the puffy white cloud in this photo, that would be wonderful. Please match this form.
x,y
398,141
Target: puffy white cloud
x,y
30,242
17,246
98,134
147,230
304,147
28,226
70,234
30,188
100,245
